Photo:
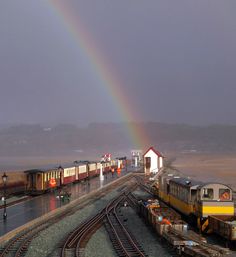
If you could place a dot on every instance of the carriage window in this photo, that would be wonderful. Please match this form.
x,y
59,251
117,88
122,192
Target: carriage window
x,y
224,194
207,194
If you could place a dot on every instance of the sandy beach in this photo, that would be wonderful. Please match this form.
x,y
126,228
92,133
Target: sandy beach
x,y
208,167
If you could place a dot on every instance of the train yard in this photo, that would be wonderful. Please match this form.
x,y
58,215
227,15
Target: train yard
x,y
26,233
68,231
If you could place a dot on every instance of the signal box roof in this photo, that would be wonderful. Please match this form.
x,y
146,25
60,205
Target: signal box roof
x,y
155,151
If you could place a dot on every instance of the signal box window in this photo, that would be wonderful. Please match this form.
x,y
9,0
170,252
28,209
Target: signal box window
x,y
207,194
224,194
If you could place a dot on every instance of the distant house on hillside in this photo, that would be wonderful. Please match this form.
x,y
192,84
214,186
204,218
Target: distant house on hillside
x,y
153,161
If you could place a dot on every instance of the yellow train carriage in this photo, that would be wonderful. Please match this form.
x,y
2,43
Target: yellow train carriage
x,y
183,195
196,199
164,187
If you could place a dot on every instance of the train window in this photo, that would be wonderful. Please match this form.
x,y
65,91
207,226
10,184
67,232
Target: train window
x,y
185,195
224,194
207,194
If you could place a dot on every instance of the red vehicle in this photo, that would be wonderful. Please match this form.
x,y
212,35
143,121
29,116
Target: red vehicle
x,y
69,175
42,180
81,171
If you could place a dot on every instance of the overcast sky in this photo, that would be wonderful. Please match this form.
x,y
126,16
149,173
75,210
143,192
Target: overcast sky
x,y
176,61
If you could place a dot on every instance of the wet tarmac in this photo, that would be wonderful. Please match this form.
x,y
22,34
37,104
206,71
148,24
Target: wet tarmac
x,y
21,213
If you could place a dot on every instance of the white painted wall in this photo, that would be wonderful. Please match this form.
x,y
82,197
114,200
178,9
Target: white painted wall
x,y
154,161
160,162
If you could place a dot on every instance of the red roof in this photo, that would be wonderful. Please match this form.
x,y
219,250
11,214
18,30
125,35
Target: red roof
x,y
155,151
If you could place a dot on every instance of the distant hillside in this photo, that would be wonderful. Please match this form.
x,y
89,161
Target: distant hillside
x,y
33,140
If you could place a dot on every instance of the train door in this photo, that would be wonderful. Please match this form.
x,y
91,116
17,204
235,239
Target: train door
x,y
193,195
193,200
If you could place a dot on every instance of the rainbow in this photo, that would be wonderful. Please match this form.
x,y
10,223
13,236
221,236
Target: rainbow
x,y
101,68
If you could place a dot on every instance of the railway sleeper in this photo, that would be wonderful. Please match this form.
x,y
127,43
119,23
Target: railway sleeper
x,y
70,252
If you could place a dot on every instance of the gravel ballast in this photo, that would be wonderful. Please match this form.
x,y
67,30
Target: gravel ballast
x,y
49,240
100,245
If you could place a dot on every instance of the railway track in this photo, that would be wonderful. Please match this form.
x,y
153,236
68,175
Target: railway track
x,y
74,245
76,241
133,201
123,241
18,245
142,184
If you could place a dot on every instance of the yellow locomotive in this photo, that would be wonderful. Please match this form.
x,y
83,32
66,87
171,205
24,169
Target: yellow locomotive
x,y
196,200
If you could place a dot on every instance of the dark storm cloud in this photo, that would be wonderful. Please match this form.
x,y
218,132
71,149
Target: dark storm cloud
x,y
176,60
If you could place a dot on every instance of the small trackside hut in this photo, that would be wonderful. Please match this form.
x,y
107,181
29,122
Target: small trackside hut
x,y
153,161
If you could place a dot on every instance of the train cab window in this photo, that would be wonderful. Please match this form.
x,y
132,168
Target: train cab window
x,y
224,194
208,194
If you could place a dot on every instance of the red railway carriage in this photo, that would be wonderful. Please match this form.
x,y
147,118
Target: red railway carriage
x,y
42,180
45,179
81,172
92,171
107,167
69,175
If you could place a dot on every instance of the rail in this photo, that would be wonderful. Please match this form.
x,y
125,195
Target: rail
x,y
124,243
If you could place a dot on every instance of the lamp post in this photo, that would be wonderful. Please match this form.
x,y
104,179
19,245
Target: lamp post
x,y
4,179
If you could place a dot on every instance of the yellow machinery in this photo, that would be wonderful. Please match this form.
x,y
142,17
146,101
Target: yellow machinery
x,y
195,199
